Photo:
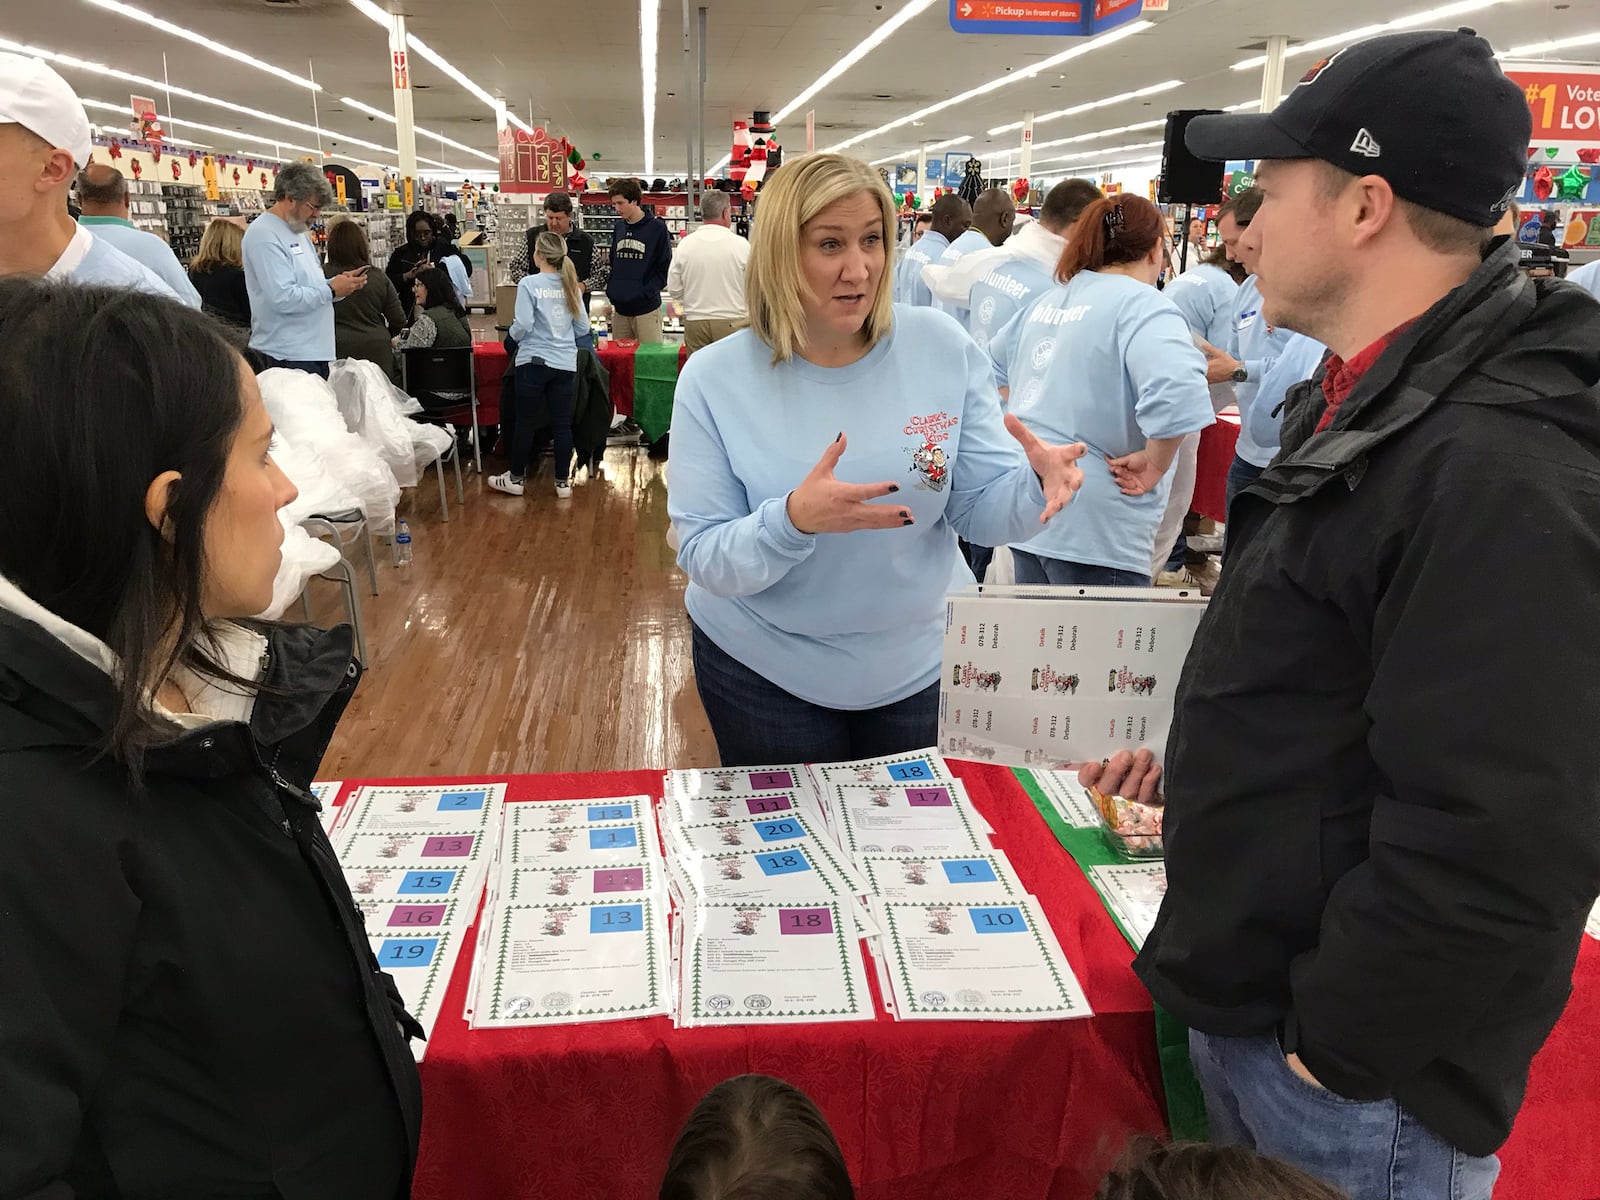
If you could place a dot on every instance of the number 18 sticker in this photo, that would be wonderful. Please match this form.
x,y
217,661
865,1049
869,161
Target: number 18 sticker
x,y
916,769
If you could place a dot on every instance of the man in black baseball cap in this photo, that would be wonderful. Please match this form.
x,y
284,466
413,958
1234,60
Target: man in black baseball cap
x,y
1382,836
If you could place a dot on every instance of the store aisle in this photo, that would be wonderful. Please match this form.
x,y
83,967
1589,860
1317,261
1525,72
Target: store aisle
x,y
527,636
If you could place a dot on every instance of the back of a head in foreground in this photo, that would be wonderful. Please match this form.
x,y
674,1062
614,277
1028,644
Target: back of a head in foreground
x,y
756,1138
1199,1171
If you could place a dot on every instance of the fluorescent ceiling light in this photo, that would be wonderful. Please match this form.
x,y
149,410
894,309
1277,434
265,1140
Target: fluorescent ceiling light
x,y
237,134
956,141
863,48
907,155
1566,43
1105,39
389,117
649,29
903,156
375,14
1102,152
1076,109
1139,127
189,35
1430,16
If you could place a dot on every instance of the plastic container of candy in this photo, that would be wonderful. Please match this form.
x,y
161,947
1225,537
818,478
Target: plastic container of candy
x,y
1132,829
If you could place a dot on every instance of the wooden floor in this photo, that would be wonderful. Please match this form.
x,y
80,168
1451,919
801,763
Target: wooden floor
x,y
528,635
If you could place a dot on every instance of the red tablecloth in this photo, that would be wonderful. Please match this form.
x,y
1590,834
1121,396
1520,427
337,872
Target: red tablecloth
x,y
1216,456
924,1110
489,361
984,1111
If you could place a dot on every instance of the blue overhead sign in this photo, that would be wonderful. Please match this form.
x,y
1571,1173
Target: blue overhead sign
x,y
1061,18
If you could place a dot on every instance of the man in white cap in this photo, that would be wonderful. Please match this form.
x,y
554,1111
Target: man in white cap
x,y
44,138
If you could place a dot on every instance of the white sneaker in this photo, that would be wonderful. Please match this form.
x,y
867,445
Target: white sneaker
x,y
505,483
563,489
1178,579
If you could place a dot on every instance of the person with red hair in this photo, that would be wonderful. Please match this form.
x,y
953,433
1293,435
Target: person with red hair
x,y
1104,358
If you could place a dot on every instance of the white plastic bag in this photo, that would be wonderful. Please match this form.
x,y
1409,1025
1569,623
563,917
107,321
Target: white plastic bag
x,y
303,557
1002,567
306,412
370,411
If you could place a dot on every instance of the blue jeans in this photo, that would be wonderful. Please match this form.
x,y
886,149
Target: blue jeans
x,y
757,723
295,364
542,387
1036,569
1240,476
1373,1151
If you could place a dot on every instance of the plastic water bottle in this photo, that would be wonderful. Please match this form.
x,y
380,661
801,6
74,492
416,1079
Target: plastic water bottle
x,y
402,544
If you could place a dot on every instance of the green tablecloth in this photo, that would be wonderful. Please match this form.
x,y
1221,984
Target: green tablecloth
x,y
655,382
1186,1110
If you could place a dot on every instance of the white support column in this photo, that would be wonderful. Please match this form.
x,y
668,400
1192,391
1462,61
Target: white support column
x,y
400,76
1272,73
922,169
1025,167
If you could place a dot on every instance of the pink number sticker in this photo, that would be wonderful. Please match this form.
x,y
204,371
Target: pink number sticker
x,y
805,920
937,797
413,915
766,781
626,879
767,804
447,847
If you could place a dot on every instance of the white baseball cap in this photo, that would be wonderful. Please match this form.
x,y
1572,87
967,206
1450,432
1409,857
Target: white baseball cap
x,y
34,96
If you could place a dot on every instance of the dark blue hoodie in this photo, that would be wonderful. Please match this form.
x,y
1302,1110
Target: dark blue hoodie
x,y
641,254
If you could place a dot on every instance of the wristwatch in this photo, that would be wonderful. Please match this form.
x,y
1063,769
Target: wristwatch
x,y
1240,375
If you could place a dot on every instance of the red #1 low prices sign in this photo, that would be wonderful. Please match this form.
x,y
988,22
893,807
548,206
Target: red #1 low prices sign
x,y
1564,101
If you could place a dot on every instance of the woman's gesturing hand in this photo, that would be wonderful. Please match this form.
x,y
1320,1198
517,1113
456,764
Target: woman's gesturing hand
x,y
824,505
1056,466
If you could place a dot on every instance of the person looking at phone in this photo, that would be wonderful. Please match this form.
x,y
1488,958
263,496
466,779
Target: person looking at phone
x,y
291,304
412,259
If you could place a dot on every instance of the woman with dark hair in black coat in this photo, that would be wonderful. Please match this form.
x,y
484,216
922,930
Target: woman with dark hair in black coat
x,y
413,258
188,1003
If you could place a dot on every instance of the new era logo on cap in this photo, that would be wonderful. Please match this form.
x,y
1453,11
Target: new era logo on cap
x,y
1366,144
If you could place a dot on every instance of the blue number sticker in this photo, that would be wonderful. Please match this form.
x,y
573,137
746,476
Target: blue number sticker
x,y
917,769
998,920
462,801
611,812
616,918
777,831
406,952
787,863
613,839
417,882
968,870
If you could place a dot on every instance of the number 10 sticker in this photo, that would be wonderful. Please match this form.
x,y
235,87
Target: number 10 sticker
x,y
998,920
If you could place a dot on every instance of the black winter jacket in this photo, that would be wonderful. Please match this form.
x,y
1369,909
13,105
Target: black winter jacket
x,y
188,1004
1383,824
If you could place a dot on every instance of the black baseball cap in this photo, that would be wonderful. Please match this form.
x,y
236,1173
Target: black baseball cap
x,y
1431,112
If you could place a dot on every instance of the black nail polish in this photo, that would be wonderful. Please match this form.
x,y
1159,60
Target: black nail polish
x,y
894,487
841,434
907,521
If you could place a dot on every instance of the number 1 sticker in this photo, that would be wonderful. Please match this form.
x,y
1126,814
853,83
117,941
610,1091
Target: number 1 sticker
x,y
766,781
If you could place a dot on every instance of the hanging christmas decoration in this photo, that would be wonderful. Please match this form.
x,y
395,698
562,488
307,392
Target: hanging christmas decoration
x,y
1573,183
1543,183
249,164
1589,154
263,180
177,169
972,181
115,150
236,177
155,152
755,153
1551,151
1019,190
138,170
1532,150
194,158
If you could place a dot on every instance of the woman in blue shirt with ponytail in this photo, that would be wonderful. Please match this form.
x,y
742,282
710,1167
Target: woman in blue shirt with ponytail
x,y
817,587
548,322
1105,358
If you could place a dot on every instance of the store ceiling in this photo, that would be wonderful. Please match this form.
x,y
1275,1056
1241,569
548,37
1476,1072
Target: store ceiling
x,y
577,66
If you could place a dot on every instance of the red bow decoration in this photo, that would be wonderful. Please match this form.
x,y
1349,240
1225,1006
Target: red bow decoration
x,y
177,169
137,169
116,150
1590,155
194,158
236,177
1543,183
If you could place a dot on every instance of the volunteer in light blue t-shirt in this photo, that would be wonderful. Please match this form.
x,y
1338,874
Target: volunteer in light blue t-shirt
x,y
547,323
952,217
824,461
993,215
1105,359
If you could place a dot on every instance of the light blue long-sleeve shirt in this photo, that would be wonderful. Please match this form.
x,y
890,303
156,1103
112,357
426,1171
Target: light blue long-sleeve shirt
x,y
1105,360
848,621
542,325
1205,295
291,304
89,260
968,243
909,287
1257,345
1587,277
1297,363
146,249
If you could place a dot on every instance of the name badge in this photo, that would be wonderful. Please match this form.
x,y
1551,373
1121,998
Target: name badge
x,y
1246,320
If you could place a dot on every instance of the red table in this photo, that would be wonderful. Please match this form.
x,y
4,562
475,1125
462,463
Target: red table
x,y
490,363
984,1111
923,1110
1216,456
